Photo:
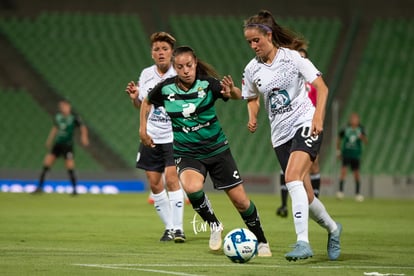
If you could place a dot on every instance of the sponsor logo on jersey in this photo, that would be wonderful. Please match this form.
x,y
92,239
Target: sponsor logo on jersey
x,y
195,128
188,109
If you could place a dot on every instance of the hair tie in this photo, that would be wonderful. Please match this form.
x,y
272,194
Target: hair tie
x,y
262,26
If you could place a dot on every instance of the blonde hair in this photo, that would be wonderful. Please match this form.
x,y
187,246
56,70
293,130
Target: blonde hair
x,y
163,36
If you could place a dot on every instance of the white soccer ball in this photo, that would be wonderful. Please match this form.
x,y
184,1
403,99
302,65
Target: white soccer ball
x,y
240,245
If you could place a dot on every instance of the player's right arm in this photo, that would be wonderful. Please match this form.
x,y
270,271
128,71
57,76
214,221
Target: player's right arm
x,y
51,137
133,92
253,107
143,118
338,144
250,93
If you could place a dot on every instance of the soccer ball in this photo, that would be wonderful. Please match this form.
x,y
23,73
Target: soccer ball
x,y
240,245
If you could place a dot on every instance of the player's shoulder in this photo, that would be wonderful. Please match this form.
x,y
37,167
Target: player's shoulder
x,y
252,67
252,63
148,71
287,54
207,79
167,81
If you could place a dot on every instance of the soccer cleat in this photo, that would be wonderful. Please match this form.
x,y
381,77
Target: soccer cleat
x,y
179,236
38,191
340,195
167,236
150,200
334,243
302,251
215,236
263,250
359,198
282,212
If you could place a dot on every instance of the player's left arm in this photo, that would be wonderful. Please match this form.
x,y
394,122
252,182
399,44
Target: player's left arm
x,y
319,115
84,135
51,137
314,76
363,136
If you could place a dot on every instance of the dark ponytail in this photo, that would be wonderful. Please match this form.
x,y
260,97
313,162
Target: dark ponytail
x,y
203,68
282,37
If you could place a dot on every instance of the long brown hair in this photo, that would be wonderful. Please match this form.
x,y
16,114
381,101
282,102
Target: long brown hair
x,y
281,37
203,68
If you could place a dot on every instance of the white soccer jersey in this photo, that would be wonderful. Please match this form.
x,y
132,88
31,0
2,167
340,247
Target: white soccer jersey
x,y
159,123
282,84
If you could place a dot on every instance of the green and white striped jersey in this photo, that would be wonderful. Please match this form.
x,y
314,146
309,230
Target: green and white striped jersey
x,y
197,131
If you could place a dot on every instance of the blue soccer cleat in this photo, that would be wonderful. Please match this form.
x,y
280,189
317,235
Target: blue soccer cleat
x,y
302,251
334,243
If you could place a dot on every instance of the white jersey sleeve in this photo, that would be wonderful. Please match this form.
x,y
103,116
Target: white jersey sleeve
x,y
249,90
307,69
159,123
143,81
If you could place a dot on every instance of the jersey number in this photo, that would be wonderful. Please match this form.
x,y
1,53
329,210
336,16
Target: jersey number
x,y
309,139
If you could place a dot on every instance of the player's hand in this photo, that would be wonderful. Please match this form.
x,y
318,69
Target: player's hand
x,y
132,90
227,85
317,126
252,126
146,140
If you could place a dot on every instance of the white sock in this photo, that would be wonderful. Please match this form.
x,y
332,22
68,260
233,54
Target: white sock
x,y
318,213
163,208
300,209
177,208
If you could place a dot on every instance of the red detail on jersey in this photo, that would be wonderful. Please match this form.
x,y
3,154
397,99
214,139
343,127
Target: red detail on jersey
x,y
312,93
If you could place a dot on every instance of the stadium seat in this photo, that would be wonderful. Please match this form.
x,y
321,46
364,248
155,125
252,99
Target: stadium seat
x,y
382,95
89,59
25,128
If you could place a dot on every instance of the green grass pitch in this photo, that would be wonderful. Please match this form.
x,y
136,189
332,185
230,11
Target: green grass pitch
x,y
54,234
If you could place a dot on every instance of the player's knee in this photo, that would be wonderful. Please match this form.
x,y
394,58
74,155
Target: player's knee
x,y
292,176
172,184
241,204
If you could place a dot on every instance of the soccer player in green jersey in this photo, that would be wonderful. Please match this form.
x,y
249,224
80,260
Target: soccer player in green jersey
x,y
349,150
60,140
200,146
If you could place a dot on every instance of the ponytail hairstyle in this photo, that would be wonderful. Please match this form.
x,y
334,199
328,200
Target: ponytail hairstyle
x,y
203,68
281,37
304,51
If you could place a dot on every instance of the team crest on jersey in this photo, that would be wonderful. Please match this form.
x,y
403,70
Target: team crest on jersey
x,y
201,92
279,101
157,111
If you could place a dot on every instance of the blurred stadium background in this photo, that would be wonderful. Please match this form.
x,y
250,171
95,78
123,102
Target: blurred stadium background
x,y
87,51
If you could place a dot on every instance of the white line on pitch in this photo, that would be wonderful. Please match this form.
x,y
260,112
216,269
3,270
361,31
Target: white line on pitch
x,y
251,265
138,269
